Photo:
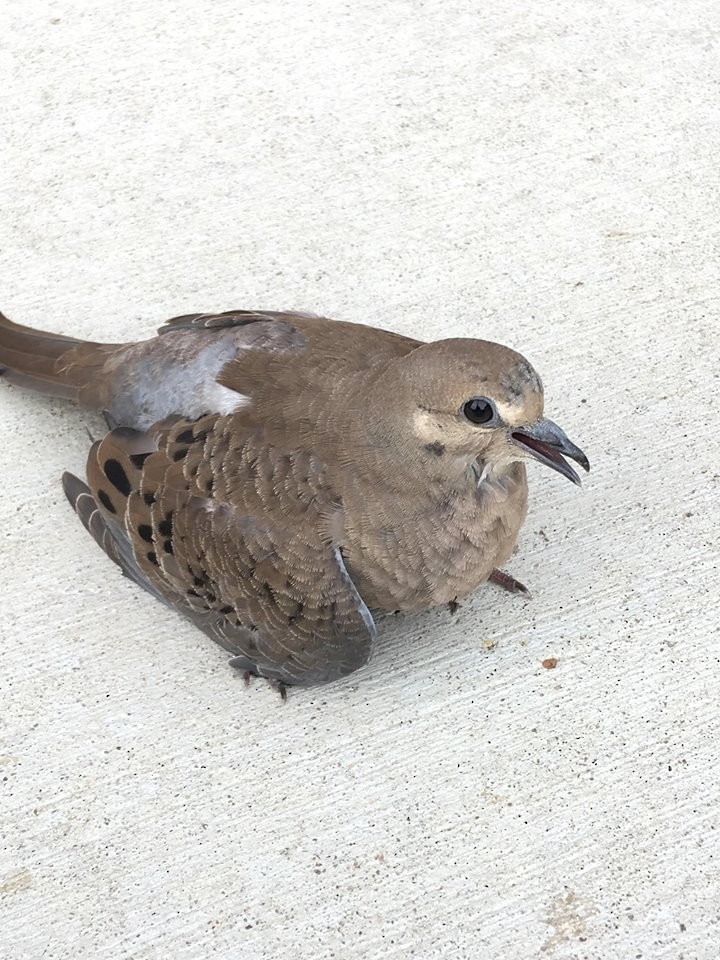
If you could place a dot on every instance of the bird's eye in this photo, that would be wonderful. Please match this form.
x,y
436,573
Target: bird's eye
x,y
479,410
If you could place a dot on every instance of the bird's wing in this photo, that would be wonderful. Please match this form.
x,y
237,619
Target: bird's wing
x,y
230,318
219,362
235,534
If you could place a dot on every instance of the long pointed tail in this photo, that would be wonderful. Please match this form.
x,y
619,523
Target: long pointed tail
x,y
34,359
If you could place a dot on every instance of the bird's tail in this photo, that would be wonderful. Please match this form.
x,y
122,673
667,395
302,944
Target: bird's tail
x,y
48,362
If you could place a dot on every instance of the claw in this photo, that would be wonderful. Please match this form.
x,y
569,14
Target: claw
x,y
508,583
239,663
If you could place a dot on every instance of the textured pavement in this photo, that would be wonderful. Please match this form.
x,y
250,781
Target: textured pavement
x,y
545,175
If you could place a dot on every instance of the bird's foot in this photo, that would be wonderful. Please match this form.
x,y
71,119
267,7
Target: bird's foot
x,y
508,583
239,664
453,606
280,687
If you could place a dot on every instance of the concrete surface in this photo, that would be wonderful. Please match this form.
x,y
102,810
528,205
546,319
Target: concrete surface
x,y
541,174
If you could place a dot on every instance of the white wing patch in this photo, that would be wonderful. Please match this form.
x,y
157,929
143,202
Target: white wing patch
x,y
175,375
223,400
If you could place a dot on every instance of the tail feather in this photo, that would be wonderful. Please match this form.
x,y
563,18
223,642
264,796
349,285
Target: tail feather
x,y
36,372
49,344
29,358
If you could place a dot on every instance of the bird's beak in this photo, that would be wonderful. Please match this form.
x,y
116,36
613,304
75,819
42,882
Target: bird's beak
x,y
546,442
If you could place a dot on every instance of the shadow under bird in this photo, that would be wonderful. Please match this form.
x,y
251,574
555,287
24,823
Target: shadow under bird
x,y
274,477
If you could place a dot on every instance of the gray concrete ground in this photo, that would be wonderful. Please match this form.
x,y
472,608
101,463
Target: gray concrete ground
x,y
541,174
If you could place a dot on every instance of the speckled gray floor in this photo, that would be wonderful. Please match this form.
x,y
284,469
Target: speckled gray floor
x,y
545,175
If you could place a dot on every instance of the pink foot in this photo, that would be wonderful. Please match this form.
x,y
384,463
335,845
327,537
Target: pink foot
x,y
508,583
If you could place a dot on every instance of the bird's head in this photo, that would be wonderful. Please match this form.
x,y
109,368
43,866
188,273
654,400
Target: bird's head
x,y
475,400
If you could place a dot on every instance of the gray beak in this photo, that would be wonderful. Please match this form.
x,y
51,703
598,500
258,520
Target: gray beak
x,y
546,442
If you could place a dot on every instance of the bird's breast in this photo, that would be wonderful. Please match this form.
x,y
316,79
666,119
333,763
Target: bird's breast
x,y
415,551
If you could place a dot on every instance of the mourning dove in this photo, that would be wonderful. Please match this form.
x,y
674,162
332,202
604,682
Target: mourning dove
x,y
276,476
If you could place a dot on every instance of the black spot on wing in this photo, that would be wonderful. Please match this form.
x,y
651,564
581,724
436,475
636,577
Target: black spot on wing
x,y
165,526
298,612
106,501
115,472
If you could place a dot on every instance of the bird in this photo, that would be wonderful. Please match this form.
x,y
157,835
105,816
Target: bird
x,y
277,477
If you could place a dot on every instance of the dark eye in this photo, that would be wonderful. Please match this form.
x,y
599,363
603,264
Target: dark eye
x,y
479,410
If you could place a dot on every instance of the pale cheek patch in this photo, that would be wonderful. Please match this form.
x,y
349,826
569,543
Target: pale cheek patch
x,y
516,416
511,414
426,426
